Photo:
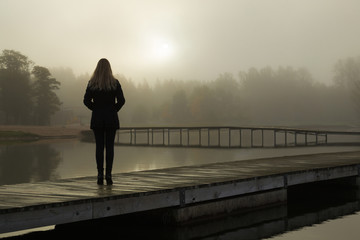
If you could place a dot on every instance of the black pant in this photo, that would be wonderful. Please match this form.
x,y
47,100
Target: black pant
x,y
104,140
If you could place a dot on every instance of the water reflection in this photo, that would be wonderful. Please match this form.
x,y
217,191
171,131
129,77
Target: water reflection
x,y
61,159
21,163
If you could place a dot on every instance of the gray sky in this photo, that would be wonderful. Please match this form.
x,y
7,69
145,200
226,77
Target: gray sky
x,y
183,39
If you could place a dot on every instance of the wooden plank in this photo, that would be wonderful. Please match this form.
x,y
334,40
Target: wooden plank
x,y
233,189
44,217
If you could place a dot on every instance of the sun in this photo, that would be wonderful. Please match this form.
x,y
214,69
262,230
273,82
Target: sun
x,y
162,49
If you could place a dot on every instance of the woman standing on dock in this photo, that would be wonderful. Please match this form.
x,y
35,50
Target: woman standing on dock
x,y
104,97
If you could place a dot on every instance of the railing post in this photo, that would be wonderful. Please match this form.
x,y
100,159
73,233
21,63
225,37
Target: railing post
x,y
152,136
274,138
199,136
326,139
240,136
251,137
188,136
219,138
163,133
229,137
208,137
168,136
131,136
148,136
181,137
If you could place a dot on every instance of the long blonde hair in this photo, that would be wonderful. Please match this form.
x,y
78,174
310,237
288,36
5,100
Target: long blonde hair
x,y
102,78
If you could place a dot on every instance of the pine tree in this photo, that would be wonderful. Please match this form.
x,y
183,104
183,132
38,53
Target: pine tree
x,y
46,102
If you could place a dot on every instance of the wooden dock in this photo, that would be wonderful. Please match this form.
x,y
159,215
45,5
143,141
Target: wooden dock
x,y
232,137
190,192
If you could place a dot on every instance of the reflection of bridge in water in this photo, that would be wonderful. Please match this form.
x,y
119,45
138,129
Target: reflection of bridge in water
x,y
233,137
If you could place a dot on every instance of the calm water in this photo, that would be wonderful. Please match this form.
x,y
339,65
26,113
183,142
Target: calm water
x,y
20,163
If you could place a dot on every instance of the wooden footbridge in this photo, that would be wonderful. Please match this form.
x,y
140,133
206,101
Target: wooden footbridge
x,y
233,137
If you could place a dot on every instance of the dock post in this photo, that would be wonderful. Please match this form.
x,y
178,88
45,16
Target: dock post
x,y
295,133
285,138
306,138
262,137
134,136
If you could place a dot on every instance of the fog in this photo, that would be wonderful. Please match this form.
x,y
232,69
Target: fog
x,y
238,62
186,40
272,97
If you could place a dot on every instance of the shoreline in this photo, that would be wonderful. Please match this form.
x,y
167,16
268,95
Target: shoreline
x,y
22,133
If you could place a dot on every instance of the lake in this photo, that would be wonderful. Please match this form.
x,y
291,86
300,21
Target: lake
x,y
49,160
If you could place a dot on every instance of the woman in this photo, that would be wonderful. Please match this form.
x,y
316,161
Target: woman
x,y
104,97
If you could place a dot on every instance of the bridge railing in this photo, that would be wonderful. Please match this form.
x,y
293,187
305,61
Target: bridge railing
x,y
233,137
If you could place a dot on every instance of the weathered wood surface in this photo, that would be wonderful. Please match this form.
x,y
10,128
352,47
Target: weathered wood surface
x,y
81,198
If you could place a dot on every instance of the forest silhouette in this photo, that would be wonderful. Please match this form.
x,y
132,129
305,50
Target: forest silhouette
x,y
284,96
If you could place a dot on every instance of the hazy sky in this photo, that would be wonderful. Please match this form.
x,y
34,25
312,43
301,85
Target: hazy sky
x,y
183,39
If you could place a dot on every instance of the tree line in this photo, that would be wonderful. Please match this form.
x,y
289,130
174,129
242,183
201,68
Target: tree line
x,y
27,92
283,96
267,96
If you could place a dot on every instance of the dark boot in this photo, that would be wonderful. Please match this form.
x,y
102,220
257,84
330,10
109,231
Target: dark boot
x,y
108,177
100,180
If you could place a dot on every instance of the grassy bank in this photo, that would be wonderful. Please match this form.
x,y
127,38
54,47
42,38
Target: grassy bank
x,y
17,136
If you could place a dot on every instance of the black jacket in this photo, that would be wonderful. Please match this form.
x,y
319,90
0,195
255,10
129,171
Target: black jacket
x,y
104,107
